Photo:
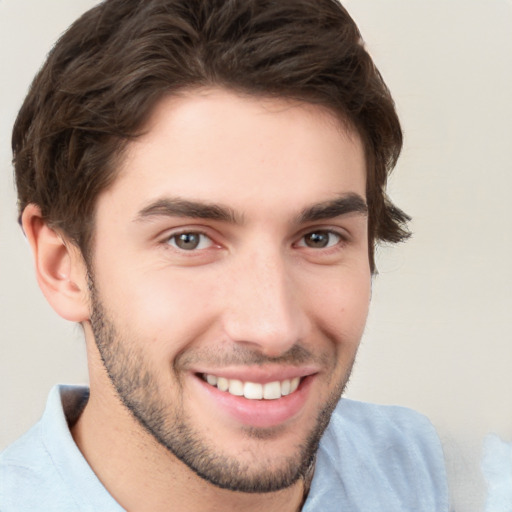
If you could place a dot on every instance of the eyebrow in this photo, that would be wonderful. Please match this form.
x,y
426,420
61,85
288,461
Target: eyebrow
x,y
343,205
176,207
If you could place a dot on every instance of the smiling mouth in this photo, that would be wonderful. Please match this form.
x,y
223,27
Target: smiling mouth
x,y
253,390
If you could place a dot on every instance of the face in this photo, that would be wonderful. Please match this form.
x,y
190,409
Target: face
x,y
230,282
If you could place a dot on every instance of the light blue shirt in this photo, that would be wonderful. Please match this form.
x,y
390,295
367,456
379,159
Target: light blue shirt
x,y
497,470
371,458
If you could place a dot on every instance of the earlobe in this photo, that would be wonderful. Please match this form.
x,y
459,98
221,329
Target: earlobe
x,y
60,269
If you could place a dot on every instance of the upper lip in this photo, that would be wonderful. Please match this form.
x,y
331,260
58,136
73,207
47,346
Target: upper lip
x,y
258,374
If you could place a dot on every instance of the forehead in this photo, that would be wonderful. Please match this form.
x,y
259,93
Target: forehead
x,y
218,146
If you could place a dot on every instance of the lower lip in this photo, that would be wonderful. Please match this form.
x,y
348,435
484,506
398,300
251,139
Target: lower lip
x,y
260,413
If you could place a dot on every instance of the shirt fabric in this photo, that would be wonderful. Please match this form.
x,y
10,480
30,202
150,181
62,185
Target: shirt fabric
x,y
371,458
497,470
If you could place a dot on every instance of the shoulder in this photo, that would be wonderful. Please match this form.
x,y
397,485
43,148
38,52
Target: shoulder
x,y
381,425
375,457
393,437
22,453
27,474
34,469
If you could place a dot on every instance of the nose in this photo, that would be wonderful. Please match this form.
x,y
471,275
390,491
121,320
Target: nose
x,y
265,309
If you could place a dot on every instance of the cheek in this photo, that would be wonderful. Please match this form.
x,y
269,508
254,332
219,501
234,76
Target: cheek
x,y
342,307
165,310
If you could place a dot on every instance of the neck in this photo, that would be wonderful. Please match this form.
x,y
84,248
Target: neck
x,y
142,475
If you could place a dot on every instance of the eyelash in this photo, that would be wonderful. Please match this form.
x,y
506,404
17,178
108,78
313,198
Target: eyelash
x,y
202,236
340,239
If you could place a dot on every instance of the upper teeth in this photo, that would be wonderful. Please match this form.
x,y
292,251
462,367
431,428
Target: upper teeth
x,y
254,390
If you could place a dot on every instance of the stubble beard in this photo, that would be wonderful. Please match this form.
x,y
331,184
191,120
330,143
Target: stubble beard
x,y
137,389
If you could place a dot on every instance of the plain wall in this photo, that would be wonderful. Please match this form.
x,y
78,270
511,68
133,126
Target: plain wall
x,y
438,337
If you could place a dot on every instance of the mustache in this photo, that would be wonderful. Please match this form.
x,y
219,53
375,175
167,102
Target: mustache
x,y
239,355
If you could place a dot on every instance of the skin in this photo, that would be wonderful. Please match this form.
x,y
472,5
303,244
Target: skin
x,y
259,299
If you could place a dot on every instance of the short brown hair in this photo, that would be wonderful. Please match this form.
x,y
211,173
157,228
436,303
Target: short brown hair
x,y
106,73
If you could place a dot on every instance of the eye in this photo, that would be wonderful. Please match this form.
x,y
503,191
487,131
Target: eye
x,y
320,239
190,241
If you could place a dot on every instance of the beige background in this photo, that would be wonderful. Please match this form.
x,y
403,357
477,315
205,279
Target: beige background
x,y
438,338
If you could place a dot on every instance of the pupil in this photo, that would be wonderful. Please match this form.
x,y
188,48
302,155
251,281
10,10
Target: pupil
x,y
317,240
187,241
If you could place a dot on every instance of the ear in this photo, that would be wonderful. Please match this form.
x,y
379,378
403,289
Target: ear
x,y
60,269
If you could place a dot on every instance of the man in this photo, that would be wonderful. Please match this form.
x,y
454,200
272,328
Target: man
x,y
202,185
